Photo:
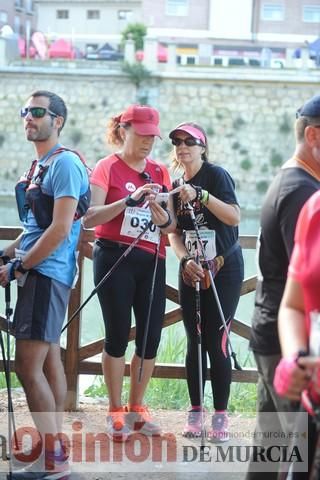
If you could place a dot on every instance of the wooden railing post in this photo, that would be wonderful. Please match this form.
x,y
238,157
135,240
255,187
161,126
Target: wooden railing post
x,y
71,354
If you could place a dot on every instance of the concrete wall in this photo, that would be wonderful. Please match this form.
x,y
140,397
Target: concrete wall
x,y
248,116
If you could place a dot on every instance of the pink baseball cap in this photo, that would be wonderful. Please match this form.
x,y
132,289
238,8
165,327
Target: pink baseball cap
x,y
191,130
144,119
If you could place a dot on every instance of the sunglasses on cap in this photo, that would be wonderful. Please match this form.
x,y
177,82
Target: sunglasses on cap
x,y
189,142
37,112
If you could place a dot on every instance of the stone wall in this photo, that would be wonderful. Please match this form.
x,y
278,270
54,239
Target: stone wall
x,y
248,116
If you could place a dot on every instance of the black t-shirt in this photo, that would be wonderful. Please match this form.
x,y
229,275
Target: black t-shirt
x,y
217,181
285,197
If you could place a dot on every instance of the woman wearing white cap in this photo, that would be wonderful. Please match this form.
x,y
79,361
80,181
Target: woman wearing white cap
x,y
209,189
123,187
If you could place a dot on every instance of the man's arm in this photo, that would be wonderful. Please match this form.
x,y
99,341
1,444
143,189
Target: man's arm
x,y
9,251
63,214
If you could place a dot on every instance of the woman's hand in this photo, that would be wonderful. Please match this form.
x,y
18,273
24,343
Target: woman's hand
x,y
159,215
193,270
146,192
293,375
187,193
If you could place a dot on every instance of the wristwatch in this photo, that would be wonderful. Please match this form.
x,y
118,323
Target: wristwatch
x,y
18,266
131,202
184,260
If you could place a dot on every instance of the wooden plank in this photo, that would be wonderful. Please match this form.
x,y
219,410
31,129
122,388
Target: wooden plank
x,y
248,285
241,329
248,241
4,326
172,371
10,233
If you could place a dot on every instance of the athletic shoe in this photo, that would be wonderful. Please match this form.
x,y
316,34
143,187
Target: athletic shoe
x,y
56,467
139,419
117,428
192,428
219,431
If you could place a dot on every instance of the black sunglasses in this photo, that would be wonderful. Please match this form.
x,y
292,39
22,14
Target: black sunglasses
x,y
189,142
36,112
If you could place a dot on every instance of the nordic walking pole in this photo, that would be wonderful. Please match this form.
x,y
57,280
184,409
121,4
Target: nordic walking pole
x,y
146,329
215,293
199,340
108,274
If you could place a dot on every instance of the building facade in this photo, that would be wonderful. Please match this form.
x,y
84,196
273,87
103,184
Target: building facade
x,y
20,15
87,23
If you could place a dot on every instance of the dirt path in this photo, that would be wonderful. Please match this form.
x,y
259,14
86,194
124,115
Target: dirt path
x,y
169,457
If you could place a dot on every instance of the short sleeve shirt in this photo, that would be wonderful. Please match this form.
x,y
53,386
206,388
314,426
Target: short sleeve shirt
x,y
66,177
305,261
218,182
118,180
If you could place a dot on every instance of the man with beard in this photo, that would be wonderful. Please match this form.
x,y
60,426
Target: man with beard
x,y
50,200
296,181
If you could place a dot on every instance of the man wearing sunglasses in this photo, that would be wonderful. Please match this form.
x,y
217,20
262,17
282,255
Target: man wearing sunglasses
x,y
43,260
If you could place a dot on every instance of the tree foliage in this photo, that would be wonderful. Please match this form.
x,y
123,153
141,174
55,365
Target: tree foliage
x,y
136,31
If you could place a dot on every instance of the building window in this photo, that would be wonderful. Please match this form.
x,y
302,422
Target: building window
x,y
17,25
311,13
177,8
93,14
3,17
272,12
62,14
29,5
18,4
124,14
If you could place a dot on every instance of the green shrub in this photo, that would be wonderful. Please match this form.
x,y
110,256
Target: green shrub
x,y
246,164
276,159
262,186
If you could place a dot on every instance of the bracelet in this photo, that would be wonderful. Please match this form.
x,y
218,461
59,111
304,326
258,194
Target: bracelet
x,y
168,222
185,259
198,193
204,197
131,202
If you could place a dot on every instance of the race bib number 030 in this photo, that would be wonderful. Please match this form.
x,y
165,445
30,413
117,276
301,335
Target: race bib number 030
x,y
135,220
208,240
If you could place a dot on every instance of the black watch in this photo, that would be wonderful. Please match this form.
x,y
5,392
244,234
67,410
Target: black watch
x,y
18,266
131,202
185,259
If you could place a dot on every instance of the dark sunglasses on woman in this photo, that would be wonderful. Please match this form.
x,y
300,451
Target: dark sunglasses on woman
x,y
189,142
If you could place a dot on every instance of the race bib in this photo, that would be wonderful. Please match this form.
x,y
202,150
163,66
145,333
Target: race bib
x,y
208,240
314,346
135,220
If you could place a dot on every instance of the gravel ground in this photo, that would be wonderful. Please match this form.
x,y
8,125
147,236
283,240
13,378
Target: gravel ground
x,y
91,418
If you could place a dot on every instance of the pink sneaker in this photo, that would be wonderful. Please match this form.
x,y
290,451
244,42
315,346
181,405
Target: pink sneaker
x,y
219,431
192,428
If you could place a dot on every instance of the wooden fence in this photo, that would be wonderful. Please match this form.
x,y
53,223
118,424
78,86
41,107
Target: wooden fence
x,y
76,358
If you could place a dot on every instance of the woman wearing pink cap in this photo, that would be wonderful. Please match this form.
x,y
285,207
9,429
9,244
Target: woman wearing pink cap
x,y
210,191
123,187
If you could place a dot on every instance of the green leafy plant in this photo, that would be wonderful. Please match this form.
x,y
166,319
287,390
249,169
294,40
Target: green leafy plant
x,y
135,31
262,186
137,73
276,159
246,164
285,126
238,123
76,136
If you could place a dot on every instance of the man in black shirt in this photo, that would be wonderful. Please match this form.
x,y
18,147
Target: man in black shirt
x,y
297,180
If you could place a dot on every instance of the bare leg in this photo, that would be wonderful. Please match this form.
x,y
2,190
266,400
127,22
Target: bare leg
x,y
29,362
113,371
54,372
137,389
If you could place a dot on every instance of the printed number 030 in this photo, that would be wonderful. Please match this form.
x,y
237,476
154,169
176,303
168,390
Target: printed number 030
x,y
142,223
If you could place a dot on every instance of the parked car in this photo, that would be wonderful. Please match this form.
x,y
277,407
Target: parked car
x,y
106,52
